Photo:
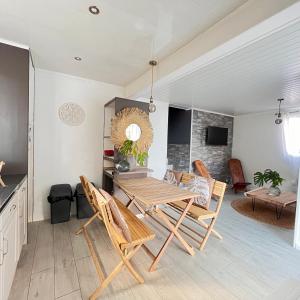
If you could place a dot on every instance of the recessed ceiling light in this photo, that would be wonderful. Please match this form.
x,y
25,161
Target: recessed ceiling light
x,y
94,10
77,58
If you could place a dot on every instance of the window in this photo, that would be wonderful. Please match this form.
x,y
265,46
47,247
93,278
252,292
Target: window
x,y
292,135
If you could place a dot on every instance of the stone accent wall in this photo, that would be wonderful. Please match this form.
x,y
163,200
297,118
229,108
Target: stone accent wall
x,y
179,156
215,158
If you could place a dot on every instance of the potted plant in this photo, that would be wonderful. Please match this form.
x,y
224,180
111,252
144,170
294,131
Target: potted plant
x,y
129,149
269,176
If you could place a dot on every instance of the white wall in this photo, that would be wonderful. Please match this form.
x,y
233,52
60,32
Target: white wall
x,y
157,160
62,152
258,143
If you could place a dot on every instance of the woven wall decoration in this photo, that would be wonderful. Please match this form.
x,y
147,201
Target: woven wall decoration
x,y
71,114
126,117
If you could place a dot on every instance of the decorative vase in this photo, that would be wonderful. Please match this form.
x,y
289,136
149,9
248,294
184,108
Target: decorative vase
x,y
123,166
274,191
132,162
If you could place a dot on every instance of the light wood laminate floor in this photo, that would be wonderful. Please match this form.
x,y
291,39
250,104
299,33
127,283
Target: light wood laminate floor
x,y
254,261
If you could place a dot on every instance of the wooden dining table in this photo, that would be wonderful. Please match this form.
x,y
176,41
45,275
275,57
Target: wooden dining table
x,y
148,194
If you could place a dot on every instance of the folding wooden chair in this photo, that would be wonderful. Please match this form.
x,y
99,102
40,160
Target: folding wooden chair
x,y
88,194
199,214
139,234
237,175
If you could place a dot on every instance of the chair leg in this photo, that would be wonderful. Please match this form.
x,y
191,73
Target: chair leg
x,y
214,232
117,269
87,223
209,230
133,272
106,282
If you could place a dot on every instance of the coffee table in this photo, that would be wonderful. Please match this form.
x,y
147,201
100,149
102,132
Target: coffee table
x,y
280,202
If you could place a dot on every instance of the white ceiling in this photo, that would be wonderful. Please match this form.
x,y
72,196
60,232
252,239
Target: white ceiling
x,y
250,80
116,45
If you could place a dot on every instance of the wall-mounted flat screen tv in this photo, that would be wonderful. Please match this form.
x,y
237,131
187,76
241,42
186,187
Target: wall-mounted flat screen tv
x,y
216,136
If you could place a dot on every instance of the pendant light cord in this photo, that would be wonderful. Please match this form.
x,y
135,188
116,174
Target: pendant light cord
x,y
151,98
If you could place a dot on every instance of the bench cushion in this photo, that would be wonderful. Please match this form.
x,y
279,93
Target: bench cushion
x,y
119,221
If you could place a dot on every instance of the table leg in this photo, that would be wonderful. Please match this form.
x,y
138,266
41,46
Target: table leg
x,y
132,201
279,212
174,232
253,204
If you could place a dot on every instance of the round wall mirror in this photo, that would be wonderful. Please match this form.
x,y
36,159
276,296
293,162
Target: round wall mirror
x,y
133,132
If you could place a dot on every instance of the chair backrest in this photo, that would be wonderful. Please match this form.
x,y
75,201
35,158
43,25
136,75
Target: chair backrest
x,y
201,169
186,177
88,194
102,206
218,193
236,171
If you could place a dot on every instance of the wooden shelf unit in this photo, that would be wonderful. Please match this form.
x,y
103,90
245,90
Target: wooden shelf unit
x,y
111,108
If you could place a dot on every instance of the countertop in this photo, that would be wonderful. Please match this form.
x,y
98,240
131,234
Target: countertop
x,y
12,182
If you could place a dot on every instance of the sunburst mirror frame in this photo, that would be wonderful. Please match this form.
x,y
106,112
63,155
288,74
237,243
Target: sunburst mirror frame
x,y
126,117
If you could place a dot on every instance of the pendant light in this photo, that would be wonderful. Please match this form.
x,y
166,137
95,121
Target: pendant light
x,y
279,119
152,106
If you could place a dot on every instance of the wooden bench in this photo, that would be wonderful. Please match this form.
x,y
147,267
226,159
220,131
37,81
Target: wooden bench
x,y
139,233
199,214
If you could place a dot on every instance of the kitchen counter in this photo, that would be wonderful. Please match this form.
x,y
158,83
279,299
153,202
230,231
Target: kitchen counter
x,y
12,184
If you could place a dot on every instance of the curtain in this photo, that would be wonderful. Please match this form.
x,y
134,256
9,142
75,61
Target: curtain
x,y
291,140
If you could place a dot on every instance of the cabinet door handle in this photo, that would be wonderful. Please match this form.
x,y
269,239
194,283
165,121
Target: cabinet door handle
x,y
13,207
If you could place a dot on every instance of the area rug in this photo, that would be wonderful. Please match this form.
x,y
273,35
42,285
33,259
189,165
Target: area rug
x,y
265,212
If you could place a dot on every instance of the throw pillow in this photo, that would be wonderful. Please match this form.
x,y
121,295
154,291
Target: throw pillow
x,y
202,186
170,177
178,176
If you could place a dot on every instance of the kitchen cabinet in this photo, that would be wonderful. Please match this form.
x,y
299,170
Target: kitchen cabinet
x,y
13,234
22,216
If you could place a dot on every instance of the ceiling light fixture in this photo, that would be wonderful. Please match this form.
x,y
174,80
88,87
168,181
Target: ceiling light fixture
x,y
94,10
152,106
279,119
78,58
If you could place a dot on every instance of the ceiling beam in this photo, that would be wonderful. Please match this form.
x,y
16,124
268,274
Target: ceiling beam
x,y
252,21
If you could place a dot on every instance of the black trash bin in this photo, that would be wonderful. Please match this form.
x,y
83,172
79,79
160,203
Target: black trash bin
x,y
83,207
60,198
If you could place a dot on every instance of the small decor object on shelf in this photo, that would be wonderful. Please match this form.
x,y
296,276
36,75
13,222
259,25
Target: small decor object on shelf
x,y
109,152
2,163
71,114
123,166
269,176
132,133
